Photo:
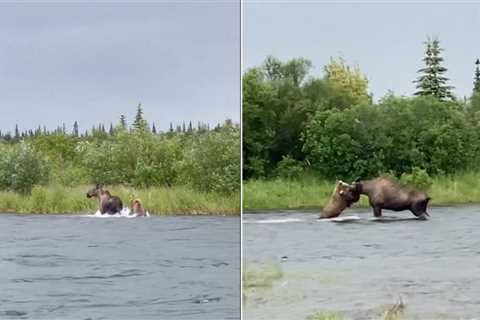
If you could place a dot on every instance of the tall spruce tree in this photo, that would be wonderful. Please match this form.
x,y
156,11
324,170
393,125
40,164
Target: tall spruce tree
x,y
154,129
75,129
123,121
140,123
476,82
432,81
17,132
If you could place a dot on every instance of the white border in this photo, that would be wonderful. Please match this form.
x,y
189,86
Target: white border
x,y
241,158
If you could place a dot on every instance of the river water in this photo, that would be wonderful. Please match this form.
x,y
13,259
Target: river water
x,y
361,267
79,267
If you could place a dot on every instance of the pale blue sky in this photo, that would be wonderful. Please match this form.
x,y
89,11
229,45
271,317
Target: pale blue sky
x,y
385,39
92,61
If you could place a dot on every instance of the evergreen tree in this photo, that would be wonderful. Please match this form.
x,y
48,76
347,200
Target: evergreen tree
x,y
110,131
171,127
75,129
476,83
123,122
183,127
140,123
17,132
190,128
154,130
432,81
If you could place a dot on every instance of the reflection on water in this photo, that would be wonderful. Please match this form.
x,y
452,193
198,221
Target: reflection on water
x,y
359,267
74,267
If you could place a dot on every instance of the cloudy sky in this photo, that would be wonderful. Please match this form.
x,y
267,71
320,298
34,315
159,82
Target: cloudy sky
x,y
92,62
385,39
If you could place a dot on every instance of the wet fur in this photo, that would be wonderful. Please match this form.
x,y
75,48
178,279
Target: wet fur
x,y
383,193
107,203
138,208
342,197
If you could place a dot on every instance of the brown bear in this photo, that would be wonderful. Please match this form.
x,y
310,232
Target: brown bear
x,y
343,196
137,208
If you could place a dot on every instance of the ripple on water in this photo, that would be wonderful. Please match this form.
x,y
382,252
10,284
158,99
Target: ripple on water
x,y
66,267
433,265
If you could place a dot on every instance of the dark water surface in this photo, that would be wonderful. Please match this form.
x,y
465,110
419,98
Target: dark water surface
x,y
74,267
360,267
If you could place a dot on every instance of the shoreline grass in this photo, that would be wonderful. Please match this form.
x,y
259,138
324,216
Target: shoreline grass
x,y
313,193
158,201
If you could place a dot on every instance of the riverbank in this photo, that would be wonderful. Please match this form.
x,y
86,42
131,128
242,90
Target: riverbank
x,y
311,193
160,201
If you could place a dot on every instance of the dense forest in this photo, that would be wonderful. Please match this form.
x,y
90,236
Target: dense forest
x,y
199,157
294,122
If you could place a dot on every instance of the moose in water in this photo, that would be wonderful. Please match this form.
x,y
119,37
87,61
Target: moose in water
x,y
107,203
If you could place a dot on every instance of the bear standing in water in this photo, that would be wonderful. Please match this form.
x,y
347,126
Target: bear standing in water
x,y
138,209
343,196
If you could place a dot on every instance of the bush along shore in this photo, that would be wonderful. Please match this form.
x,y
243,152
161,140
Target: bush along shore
x,y
160,201
185,170
313,193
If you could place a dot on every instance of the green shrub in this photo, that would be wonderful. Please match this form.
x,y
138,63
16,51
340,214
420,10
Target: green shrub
x,y
418,178
21,168
289,168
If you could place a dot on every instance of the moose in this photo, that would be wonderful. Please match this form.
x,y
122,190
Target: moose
x,y
384,193
107,203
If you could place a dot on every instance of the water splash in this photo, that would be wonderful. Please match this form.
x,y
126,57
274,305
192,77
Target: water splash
x,y
125,213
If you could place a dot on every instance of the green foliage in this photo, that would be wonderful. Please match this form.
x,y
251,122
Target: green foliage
x,y
309,192
418,178
158,200
289,168
395,135
140,124
476,82
21,167
432,81
212,161
347,86
202,159
278,101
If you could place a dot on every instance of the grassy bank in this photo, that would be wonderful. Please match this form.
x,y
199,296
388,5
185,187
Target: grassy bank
x,y
309,192
162,201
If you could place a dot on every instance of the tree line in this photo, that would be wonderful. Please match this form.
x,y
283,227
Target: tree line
x,y
100,129
205,159
294,122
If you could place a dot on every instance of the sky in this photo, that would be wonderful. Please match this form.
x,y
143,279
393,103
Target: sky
x,y
91,62
386,40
